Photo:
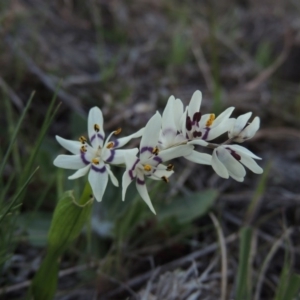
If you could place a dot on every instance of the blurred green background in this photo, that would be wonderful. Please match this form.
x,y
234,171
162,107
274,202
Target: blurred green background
x,y
128,57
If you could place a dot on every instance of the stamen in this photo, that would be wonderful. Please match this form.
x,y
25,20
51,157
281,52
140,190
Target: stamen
x,y
165,179
155,151
210,120
118,131
110,145
147,168
95,161
83,149
82,139
97,127
170,167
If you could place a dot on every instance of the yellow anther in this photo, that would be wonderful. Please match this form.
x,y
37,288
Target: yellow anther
x,y
97,127
170,167
210,120
83,148
165,179
118,131
155,151
110,145
147,168
95,161
82,139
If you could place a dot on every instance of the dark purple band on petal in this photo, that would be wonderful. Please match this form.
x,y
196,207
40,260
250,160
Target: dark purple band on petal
x,y
130,173
144,149
197,117
116,143
197,134
188,123
205,135
234,154
99,170
134,165
111,157
99,135
139,181
84,160
157,158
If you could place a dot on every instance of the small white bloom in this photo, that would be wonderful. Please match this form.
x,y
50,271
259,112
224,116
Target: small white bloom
x,y
229,160
242,130
96,158
170,134
149,162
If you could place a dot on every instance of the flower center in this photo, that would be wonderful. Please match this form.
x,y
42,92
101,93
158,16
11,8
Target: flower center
x,y
147,168
95,161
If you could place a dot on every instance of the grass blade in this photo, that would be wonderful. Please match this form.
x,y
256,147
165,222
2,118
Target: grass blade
x,y
14,136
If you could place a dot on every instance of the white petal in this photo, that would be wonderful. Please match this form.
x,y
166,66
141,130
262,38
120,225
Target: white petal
x,y
183,122
72,146
242,150
198,142
168,115
239,179
249,131
178,112
232,165
195,103
158,174
98,181
239,125
142,189
223,116
95,118
126,180
178,151
112,177
72,162
218,166
124,140
81,172
251,164
199,158
169,128
130,159
117,157
216,131
150,136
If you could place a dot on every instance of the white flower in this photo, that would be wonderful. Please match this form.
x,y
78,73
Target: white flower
x,y
229,160
149,163
241,130
96,158
170,133
189,126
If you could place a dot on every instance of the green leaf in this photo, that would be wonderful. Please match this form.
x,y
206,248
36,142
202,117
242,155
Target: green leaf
x,y
188,209
243,276
68,220
293,287
45,281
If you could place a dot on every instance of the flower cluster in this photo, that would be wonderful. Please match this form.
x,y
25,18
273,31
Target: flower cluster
x,y
165,137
